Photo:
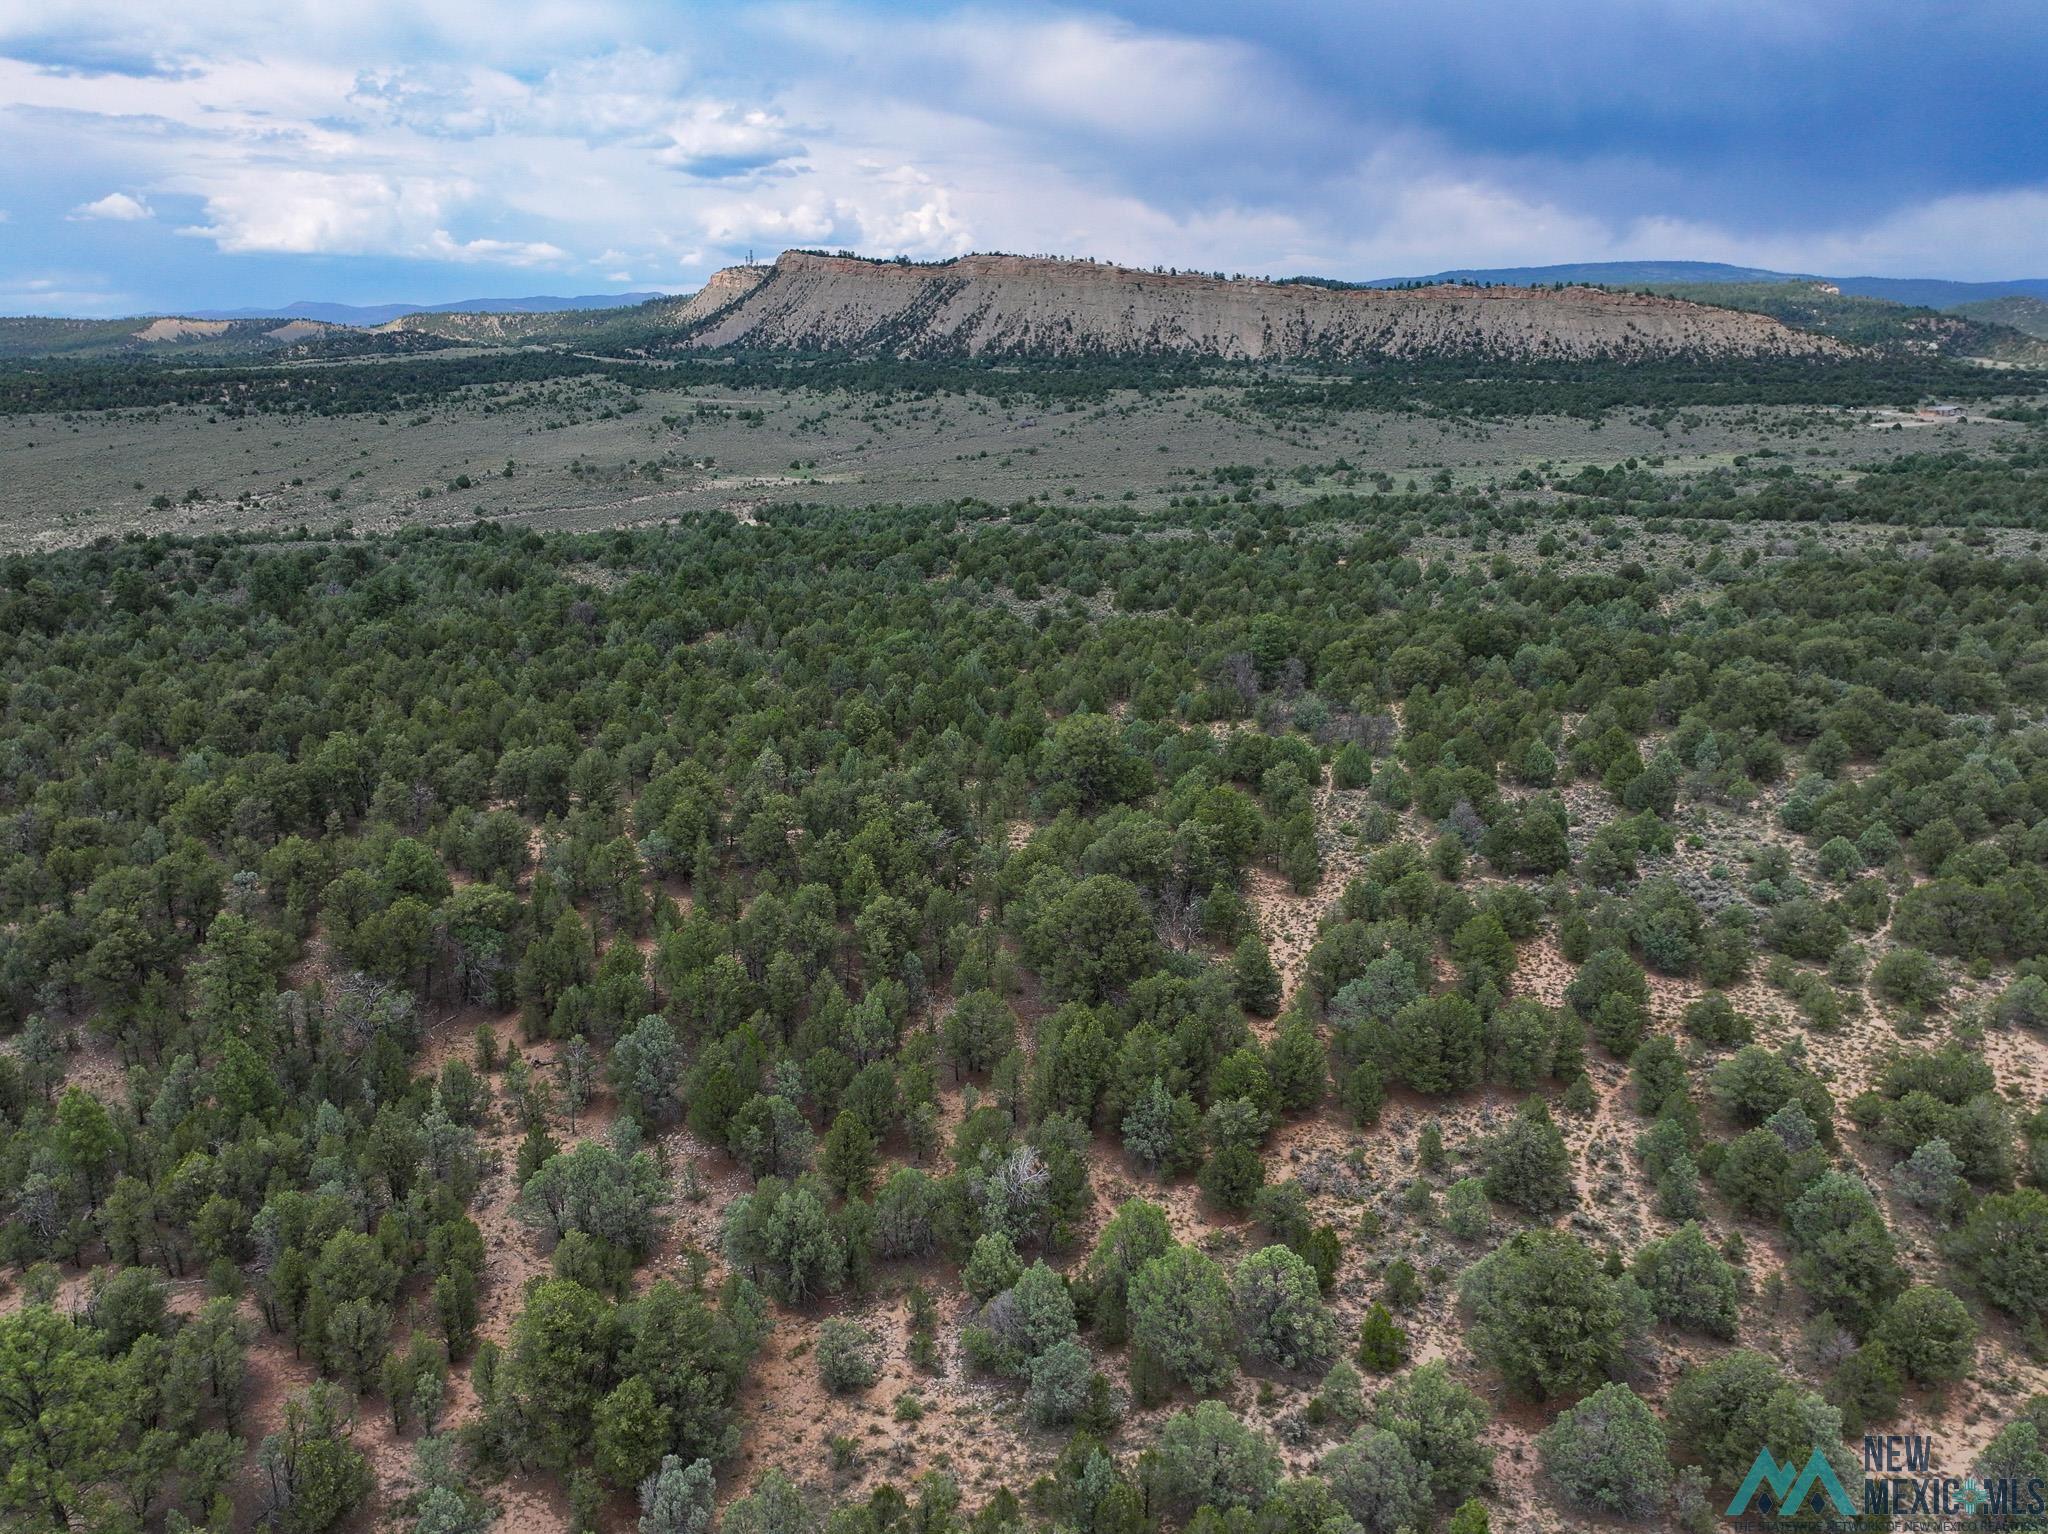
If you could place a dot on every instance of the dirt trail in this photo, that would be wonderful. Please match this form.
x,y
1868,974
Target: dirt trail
x,y
1287,919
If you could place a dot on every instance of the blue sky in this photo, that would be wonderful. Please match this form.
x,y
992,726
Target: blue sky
x,y
234,152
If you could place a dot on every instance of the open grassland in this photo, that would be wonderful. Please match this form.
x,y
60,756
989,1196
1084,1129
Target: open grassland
x,y
586,455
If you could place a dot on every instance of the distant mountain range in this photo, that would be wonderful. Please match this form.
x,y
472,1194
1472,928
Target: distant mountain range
x,y
1918,292
383,314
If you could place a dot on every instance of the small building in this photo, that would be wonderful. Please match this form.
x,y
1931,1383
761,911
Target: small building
x,y
1940,412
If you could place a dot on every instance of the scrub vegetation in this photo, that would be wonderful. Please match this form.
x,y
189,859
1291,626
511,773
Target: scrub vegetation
x,y
1463,989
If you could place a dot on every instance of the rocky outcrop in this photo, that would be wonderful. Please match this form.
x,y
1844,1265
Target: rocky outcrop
x,y
722,291
172,329
991,305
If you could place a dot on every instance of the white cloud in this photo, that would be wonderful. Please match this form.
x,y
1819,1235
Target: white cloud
x,y
885,210
716,138
304,212
606,139
117,207
1114,78
1072,73
493,32
627,92
1983,236
354,213
501,252
620,93
439,99
69,294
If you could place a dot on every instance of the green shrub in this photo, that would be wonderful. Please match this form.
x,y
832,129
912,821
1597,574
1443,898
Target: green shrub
x,y
849,1356
1609,1453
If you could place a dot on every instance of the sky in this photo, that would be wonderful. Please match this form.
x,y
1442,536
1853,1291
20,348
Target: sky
x,y
224,153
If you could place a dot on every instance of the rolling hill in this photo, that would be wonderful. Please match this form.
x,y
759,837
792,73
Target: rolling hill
x,y
1599,274
1914,292
2018,311
201,340
1877,323
382,314
631,327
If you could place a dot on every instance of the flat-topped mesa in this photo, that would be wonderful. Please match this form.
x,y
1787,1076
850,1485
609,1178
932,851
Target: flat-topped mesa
x,y
1001,305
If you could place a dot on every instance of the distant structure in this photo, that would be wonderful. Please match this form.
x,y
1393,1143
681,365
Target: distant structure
x,y
1940,412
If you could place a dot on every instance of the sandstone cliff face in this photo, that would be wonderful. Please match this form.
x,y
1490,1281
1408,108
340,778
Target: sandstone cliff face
x,y
724,288
1016,305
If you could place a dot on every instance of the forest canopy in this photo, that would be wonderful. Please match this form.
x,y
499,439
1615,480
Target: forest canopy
x,y
1154,967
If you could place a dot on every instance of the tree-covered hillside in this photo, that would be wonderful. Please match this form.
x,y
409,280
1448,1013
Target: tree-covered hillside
x,y
1388,1013
1872,322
